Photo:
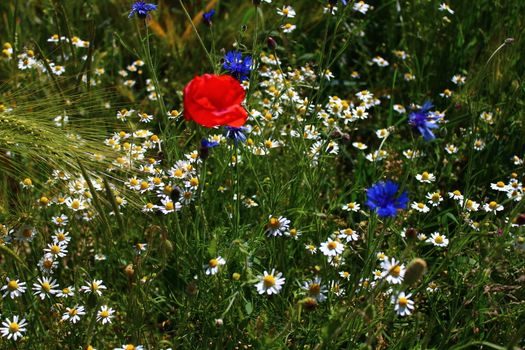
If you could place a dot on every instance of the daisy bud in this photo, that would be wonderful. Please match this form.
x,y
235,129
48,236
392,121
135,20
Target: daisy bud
x,y
192,289
411,233
168,246
309,303
129,270
415,270
218,322
44,200
236,276
520,220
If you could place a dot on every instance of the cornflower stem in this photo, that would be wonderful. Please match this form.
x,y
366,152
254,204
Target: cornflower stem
x,y
146,48
201,206
198,36
255,54
236,203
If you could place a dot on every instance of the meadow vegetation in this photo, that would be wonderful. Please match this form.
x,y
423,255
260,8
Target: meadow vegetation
x,y
239,174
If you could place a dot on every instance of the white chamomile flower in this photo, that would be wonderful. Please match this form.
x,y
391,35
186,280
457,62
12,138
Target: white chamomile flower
x,y
277,226
73,314
45,287
434,198
492,207
13,328
425,177
331,247
105,314
438,240
393,271
270,283
14,288
420,207
348,234
402,304
352,206
95,287
212,267
315,289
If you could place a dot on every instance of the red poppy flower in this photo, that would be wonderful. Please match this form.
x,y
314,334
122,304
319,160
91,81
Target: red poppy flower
x,y
215,100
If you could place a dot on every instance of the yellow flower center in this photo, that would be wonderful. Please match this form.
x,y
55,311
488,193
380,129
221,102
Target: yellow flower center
x,y
130,347
72,312
425,175
104,313
133,182
28,182
269,281
500,184
13,327
194,182
402,301
55,249
395,271
275,223
169,206
332,245
315,288
420,205
46,286
12,285
349,232
493,205
144,185
456,193
47,264
75,204
293,232
213,263
436,197
438,239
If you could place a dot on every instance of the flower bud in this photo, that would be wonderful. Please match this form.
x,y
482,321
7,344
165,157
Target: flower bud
x,y
415,270
129,270
309,303
520,220
411,233
272,44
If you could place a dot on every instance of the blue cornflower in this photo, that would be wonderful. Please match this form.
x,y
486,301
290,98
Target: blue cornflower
x,y
424,120
383,198
209,144
141,9
204,149
206,16
238,66
236,134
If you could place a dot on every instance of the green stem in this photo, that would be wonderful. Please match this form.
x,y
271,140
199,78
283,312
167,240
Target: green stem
x,y
198,36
